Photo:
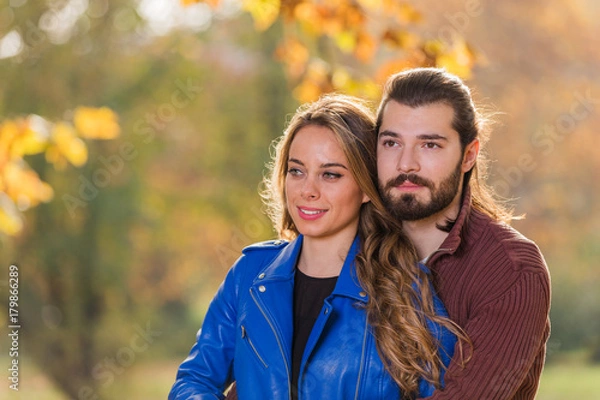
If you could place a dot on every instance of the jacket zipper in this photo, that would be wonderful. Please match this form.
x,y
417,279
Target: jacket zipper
x,y
247,338
287,368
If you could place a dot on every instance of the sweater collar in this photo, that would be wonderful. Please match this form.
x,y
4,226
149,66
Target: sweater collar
x,y
454,238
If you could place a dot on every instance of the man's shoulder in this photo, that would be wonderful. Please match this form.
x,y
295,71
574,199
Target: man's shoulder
x,y
499,242
492,260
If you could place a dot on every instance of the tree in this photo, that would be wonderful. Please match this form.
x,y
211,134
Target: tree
x,y
352,46
124,242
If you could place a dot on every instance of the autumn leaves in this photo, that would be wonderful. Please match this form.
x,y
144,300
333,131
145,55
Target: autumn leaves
x,y
62,143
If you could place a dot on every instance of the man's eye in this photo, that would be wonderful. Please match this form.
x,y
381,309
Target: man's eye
x,y
388,143
432,145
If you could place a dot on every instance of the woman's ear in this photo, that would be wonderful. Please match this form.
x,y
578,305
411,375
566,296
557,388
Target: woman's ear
x,y
365,198
470,156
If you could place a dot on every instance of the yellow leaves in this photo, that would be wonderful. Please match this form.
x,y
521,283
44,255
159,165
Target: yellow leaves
x,y
24,186
264,12
17,138
322,78
404,12
96,123
21,187
316,82
10,218
400,39
67,147
458,59
373,37
212,3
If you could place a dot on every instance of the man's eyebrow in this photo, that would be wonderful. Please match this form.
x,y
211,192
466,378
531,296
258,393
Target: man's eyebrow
x,y
388,134
425,136
432,136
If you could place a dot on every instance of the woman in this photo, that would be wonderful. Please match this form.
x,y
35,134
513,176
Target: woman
x,y
342,310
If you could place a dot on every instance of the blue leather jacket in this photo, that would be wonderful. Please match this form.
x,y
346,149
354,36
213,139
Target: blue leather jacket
x,y
247,337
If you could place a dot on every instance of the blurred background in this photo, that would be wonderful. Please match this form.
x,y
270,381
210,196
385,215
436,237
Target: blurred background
x,y
134,136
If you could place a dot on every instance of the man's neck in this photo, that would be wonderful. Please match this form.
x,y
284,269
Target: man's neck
x,y
425,234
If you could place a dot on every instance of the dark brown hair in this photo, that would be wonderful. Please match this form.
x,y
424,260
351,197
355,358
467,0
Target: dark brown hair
x,y
423,86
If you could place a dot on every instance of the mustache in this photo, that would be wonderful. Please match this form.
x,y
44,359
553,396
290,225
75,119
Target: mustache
x,y
412,177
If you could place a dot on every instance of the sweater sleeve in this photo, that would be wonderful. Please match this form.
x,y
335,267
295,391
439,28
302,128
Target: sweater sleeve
x,y
507,335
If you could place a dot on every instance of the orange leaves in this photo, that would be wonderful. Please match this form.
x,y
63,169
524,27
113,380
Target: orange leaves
x,y
20,186
316,81
366,39
294,55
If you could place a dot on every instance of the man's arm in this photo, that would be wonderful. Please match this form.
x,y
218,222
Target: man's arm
x,y
508,337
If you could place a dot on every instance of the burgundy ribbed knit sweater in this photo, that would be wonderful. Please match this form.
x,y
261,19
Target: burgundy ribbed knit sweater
x,y
495,284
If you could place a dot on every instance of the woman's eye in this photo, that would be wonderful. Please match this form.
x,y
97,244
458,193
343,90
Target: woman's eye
x,y
331,175
294,171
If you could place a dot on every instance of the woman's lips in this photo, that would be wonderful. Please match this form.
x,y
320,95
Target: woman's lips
x,y
310,214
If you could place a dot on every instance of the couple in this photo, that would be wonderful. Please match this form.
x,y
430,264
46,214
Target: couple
x,y
378,213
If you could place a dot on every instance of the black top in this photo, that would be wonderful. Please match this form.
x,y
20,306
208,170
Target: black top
x,y
309,294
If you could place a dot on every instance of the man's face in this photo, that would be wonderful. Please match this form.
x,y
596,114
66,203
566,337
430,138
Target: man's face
x,y
420,161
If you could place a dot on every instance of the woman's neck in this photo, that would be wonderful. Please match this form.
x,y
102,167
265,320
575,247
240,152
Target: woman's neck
x,y
324,257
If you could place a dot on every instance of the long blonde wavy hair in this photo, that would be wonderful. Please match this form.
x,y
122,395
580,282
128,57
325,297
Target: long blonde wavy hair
x,y
400,297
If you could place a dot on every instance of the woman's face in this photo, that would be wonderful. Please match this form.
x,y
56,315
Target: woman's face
x,y
323,198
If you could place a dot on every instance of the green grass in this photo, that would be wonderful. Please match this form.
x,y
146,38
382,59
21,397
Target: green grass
x,y
568,379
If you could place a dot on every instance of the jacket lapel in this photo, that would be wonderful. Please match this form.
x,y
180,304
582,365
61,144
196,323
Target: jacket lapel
x,y
273,290
347,286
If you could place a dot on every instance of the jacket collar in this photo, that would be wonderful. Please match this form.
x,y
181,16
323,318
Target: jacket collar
x,y
347,283
283,267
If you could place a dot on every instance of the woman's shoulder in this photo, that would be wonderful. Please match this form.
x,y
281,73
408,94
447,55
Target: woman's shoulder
x,y
268,246
261,252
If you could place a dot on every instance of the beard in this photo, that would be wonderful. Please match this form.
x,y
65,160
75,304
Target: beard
x,y
408,208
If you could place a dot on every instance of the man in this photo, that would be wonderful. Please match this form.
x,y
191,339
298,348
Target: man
x,y
493,281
